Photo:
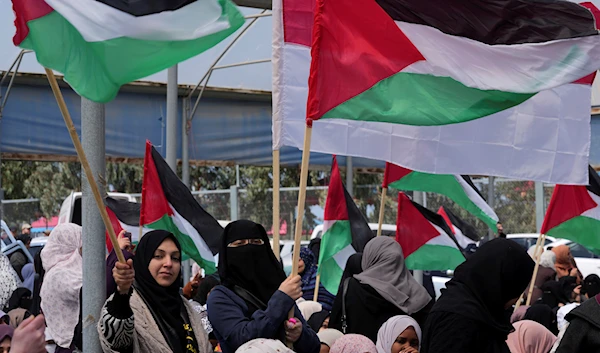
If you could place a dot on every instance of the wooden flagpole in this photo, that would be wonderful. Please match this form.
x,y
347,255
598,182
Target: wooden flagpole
x,y
276,184
317,283
84,162
536,257
381,210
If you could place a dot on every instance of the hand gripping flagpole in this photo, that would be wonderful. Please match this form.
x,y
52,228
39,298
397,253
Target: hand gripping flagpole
x,y
84,162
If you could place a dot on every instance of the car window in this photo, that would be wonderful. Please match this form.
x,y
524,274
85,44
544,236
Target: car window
x,y
579,251
34,250
546,242
522,241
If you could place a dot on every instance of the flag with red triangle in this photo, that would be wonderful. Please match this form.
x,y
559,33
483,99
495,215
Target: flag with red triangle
x,y
464,233
425,238
574,213
124,215
345,232
168,204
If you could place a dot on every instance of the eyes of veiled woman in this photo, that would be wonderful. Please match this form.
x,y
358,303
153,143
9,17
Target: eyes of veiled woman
x,y
243,242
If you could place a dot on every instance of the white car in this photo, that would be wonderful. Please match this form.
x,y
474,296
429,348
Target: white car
x,y
286,252
587,262
527,240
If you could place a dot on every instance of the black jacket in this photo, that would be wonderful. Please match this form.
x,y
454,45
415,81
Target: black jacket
x,y
583,333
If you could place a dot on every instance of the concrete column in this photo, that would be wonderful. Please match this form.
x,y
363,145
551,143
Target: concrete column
x,y
172,119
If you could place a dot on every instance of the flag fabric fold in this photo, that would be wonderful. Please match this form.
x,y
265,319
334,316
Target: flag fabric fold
x,y
574,213
464,233
412,89
124,215
345,232
169,205
425,238
101,45
459,188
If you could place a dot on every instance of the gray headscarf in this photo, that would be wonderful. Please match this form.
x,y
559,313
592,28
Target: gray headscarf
x,y
384,270
547,259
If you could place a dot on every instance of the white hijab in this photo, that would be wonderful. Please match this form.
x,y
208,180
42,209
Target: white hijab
x,y
392,328
64,276
263,345
309,307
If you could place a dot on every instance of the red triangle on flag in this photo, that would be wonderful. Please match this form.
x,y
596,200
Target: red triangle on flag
x,y
444,215
394,173
413,230
154,203
335,206
568,201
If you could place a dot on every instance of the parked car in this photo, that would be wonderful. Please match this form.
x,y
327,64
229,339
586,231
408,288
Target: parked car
x,y
527,240
587,262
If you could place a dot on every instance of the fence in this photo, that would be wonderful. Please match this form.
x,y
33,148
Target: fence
x,y
514,202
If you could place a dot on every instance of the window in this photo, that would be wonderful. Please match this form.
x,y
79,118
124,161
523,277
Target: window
x,y
579,251
524,242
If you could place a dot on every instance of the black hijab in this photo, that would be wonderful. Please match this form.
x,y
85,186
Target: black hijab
x,y
165,303
205,287
253,268
591,285
542,314
316,320
498,272
553,294
353,267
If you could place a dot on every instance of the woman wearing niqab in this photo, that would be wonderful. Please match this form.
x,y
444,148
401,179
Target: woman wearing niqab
x,y
470,315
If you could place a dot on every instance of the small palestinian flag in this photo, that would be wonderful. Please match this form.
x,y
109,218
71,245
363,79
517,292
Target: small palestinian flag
x,y
100,45
124,215
464,233
574,213
345,232
168,204
459,188
425,238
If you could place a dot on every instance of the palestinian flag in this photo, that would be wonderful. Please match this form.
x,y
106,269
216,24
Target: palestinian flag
x,y
345,232
464,233
425,238
574,213
124,215
169,205
498,83
459,188
100,45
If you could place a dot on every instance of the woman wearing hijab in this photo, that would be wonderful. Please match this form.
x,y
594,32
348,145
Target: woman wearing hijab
x,y
583,333
470,315
262,345
543,315
17,316
307,269
353,343
353,267
204,289
546,272
319,321
255,297
384,289
399,334
147,313
591,286
6,335
328,337
9,280
530,337
308,308
564,260
61,288
28,274
519,313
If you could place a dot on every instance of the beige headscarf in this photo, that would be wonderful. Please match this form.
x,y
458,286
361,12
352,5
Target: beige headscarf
x,y
309,307
530,337
62,282
384,270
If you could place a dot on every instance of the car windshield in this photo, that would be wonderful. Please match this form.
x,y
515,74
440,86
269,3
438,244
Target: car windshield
x,y
579,251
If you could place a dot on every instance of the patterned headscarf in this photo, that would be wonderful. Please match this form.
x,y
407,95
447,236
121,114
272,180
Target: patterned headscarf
x,y
353,343
9,280
310,267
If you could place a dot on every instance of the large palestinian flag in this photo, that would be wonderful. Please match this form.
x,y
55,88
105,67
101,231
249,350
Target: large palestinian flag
x,y
464,233
124,215
574,213
459,188
425,238
498,89
345,232
100,45
169,205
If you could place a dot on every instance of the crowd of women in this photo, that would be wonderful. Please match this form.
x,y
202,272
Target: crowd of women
x,y
251,306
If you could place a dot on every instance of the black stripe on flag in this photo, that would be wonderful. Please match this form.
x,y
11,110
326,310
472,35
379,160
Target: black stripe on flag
x,y
127,212
594,186
361,232
146,7
497,21
180,197
467,229
437,220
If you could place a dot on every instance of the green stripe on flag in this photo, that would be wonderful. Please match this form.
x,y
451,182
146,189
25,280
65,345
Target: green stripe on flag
x,y
96,70
445,184
336,238
424,100
582,230
188,246
434,258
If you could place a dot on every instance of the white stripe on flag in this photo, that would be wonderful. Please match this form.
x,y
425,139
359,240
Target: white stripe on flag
x,y
186,228
476,198
442,239
594,212
99,22
342,256
462,239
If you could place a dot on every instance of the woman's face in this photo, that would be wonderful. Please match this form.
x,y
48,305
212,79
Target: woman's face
x,y
166,263
5,345
406,339
324,348
325,324
301,266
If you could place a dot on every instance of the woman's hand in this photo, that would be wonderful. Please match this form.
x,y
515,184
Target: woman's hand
x,y
29,337
124,241
124,275
291,287
409,350
293,331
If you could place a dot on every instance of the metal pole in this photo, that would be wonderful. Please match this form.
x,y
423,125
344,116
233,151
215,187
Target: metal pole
x,y
490,200
172,118
185,148
418,197
237,175
539,205
94,241
233,201
349,176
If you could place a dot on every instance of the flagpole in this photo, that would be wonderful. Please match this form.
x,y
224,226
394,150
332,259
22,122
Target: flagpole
x,y
276,182
84,162
381,210
536,257
317,283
